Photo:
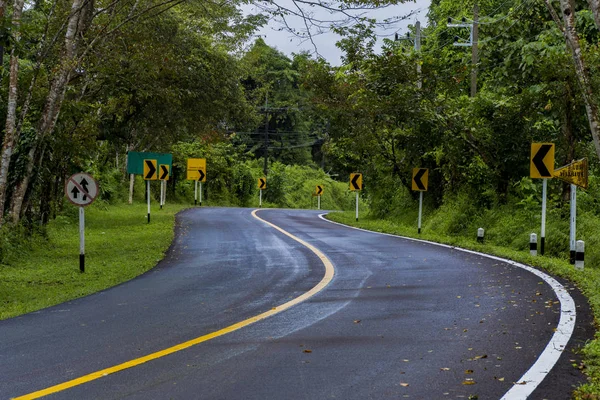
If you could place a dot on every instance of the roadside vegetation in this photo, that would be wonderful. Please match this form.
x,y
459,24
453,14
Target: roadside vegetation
x,y
84,83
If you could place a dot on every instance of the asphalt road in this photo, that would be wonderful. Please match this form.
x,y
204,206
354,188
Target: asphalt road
x,y
400,319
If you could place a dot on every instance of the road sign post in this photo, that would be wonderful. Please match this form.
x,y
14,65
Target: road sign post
x,y
163,174
356,186
196,171
81,189
148,196
150,174
542,166
573,220
262,184
420,182
576,173
319,192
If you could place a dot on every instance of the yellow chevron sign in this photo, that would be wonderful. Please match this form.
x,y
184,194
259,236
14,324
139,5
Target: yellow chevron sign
x,y
575,173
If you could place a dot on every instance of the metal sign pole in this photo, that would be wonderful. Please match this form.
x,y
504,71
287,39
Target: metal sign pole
x,y
420,211
161,194
573,223
319,203
357,205
543,234
148,190
260,197
200,193
81,240
165,193
195,192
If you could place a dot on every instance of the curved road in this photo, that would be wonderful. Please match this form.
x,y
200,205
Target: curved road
x,y
400,319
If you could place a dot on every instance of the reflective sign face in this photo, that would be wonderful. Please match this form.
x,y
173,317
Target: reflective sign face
x,y
319,190
542,160
163,172
262,183
575,173
81,189
355,181
196,169
420,177
150,170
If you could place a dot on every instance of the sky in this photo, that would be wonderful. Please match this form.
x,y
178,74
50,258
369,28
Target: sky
x,y
287,43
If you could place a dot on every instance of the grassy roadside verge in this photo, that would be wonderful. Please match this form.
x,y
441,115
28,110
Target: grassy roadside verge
x,y
588,280
119,245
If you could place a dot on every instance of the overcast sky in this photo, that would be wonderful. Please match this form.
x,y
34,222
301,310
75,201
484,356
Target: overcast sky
x,y
288,43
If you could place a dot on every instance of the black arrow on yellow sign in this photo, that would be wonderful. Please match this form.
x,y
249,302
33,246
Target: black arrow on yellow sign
x,y
150,171
262,183
538,160
355,181
201,175
164,172
319,190
418,177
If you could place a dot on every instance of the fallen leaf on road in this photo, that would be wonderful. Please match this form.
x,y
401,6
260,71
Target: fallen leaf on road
x,y
468,382
357,321
468,371
308,351
403,384
445,369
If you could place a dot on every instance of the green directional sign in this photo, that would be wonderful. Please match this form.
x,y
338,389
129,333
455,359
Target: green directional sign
x,y
135,161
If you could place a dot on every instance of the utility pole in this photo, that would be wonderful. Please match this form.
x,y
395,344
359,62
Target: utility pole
x,y
474,49
266,133
418,49
473,43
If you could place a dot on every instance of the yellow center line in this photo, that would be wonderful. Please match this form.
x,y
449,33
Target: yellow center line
x,y
329,272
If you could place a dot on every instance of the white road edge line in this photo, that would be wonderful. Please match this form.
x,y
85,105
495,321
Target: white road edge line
x,y
566,324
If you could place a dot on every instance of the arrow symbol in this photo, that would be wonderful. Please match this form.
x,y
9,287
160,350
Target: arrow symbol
x,y
165,172
151,169
263,183
354,181
201,175
75,192
418,177
319,190
538,160
84,184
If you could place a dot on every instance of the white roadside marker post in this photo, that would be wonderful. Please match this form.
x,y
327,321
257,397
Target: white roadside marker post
x,y
480,233
579,254
533,244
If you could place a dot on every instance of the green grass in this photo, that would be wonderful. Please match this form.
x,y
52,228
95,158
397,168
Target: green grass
x,y
588,280
119,245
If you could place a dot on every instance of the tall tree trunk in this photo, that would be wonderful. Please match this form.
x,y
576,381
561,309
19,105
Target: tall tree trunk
x,y
10,135
568,15
595,6
51,108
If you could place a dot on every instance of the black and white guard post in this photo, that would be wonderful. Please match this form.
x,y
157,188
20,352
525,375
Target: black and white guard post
x,y
81,189
533,244
579,254
480,234
195,192
200,193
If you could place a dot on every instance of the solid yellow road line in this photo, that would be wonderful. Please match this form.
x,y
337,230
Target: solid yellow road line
x,y
329,272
